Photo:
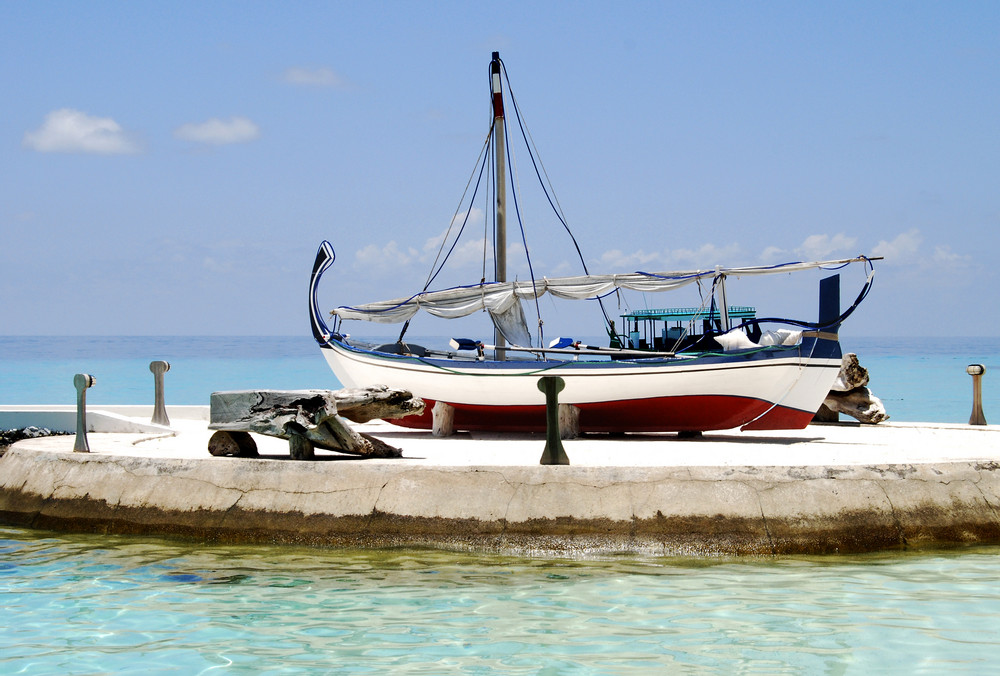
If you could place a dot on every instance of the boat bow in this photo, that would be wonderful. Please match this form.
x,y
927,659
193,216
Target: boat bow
x,y
324,259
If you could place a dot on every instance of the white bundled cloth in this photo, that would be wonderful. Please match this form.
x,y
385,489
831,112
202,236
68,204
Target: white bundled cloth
x,y
737,340
780,337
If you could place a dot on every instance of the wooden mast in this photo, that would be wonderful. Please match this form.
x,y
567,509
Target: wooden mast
x,y
501,190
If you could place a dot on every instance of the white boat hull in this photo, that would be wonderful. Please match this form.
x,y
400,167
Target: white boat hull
x,y
717,391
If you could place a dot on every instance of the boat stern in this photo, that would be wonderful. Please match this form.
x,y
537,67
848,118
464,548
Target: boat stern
x,y
821,359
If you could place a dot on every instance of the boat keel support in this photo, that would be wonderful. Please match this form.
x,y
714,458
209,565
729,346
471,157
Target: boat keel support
x,y
443,416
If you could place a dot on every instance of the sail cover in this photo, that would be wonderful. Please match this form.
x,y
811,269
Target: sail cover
x,y
512,325
499,297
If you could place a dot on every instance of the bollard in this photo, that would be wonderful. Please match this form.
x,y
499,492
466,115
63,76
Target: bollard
x,y
977,371
82,381
554,453
158,368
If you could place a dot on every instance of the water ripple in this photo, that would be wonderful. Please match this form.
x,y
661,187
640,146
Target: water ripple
x,y
94,604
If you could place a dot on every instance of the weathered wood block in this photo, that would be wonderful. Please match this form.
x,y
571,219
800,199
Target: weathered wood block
x,y
311,418
852,374
850,395
859,403
569,421
443,419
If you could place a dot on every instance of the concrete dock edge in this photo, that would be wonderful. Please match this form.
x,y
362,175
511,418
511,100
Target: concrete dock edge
x,y
522,509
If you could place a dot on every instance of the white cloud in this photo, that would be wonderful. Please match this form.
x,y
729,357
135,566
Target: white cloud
x,y
818,247
469,250
813,248
944,254
388,257
410,263
706,256
219,132
476,216
314,77
772,254
72,131
945,258
903,249
472,218
618,261
566,268
213,265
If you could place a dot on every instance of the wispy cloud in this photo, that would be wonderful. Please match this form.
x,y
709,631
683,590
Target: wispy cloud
x,y
315,77
813,248
817,247
219,132
705,256
392,258
903,249
616,259
214,265
773,254
72,131
469,250
946,260
944,255
386,257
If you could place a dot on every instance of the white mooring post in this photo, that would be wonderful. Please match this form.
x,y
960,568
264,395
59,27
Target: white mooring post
x,y
82,381
977,371
553,453
158,368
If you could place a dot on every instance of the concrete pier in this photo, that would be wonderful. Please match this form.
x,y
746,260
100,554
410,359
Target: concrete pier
x,y
826,489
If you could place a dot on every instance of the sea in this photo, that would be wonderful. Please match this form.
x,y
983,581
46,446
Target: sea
x,y
98,604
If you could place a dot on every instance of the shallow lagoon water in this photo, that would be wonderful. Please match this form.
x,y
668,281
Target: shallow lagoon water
x,y
100,604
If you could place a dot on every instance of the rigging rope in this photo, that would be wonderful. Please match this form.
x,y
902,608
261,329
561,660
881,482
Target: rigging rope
x,y
552,199
865,290
481,162
524,240
483,157
487,153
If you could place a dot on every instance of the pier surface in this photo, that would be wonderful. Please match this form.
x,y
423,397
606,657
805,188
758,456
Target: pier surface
x,y
829,488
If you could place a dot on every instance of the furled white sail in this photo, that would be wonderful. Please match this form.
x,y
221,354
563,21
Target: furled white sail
x,y
499,297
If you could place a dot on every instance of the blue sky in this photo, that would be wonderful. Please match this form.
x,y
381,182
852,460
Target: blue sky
x,y
170,168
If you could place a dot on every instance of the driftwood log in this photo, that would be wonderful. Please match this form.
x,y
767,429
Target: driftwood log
x,y
308,419
850,395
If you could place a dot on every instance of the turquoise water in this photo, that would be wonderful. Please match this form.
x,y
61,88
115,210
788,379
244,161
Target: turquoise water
x,y
98,604
40,369
921,380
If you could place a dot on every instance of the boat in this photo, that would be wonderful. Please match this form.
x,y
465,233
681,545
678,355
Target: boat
x,y
712,367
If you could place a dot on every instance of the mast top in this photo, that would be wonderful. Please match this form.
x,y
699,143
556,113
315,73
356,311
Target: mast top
x,y
495,84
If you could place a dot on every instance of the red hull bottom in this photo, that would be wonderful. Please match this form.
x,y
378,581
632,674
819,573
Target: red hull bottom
x,y
781,418
660,414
